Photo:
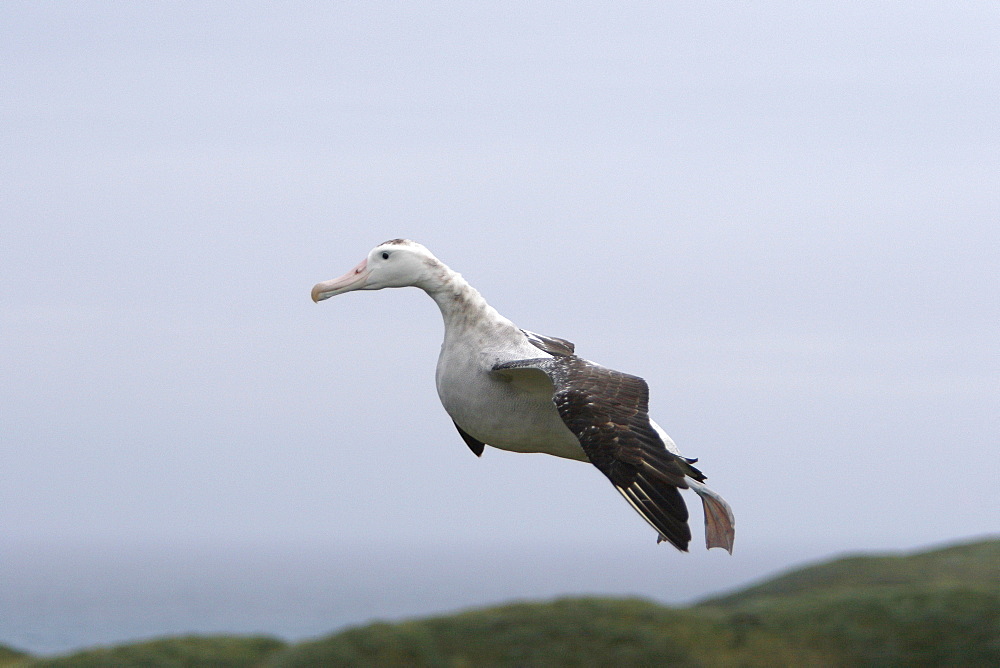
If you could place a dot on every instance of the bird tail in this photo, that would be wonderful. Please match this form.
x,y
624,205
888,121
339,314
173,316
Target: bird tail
x,y
720,525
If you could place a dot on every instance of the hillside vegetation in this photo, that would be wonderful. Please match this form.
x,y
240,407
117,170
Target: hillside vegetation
x,y
974,566
937,608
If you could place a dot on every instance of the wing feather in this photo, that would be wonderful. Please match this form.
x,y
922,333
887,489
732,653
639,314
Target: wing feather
x,y
550,344
607,410
474,444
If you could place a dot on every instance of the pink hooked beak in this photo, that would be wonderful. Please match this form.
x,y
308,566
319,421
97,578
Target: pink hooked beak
x,y
352,280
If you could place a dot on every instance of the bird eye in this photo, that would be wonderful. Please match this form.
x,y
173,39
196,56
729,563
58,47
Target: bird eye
x,y
385,255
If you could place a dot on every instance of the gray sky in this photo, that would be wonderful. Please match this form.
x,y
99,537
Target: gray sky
x,y
784,217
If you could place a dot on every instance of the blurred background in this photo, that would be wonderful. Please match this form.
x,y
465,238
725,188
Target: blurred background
x,y
783,216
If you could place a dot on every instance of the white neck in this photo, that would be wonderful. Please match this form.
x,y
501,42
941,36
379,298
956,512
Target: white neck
x,y
462,307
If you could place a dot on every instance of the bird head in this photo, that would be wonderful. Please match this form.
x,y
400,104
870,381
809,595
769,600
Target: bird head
x,y
397,263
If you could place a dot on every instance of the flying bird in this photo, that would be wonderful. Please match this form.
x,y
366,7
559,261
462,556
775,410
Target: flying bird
x,y
516,390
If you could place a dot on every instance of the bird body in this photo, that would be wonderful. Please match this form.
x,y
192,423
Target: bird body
x,y
523,392
486,405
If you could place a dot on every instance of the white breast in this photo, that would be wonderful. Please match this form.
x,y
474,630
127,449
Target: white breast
x,y
494,411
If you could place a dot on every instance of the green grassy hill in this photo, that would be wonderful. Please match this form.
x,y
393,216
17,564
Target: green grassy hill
x,y
933,608
214,651
937,608
568,632
10,656
970,566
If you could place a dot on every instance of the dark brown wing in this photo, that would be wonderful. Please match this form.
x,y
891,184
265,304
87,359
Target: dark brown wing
x,y
607,410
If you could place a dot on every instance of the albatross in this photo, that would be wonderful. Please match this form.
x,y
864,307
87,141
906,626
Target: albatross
x,y
516,390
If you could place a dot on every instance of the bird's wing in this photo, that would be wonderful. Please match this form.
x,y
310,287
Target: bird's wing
x,y
474,444
607,411
553,345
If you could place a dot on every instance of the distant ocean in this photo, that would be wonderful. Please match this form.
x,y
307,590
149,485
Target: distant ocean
x,y
59,598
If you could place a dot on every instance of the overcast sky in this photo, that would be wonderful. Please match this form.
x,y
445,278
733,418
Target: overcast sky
x,y
785,216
